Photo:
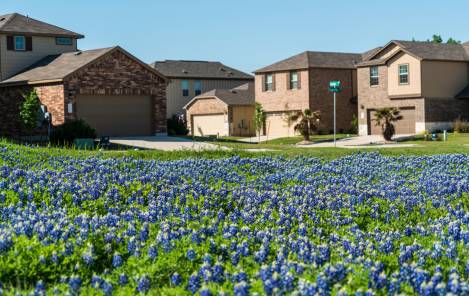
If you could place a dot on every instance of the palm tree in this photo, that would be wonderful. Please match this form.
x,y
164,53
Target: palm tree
x,y
307,122
385,117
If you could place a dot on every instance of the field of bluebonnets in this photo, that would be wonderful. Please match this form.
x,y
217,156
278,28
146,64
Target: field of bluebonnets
x,y
363,224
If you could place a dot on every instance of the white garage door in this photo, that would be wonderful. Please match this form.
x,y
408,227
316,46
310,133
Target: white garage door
x,y
209,125
276,125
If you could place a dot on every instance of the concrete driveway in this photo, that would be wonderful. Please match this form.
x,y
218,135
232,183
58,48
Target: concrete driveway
x,y
164,143
373,141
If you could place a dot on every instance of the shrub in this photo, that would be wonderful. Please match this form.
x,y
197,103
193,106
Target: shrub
x,y
461,126
29,112
177,126
71,130
353,125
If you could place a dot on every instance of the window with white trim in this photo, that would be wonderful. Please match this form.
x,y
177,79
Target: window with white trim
x,y
63,41
374,76
293,80
404,74
20,42
269,82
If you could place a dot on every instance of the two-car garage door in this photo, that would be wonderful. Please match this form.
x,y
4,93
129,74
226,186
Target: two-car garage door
x,y
117,115
403,127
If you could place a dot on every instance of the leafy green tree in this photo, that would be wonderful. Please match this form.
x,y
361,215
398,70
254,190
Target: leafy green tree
x,y
453,41
385,118
307,122
437,38
259,119
29,112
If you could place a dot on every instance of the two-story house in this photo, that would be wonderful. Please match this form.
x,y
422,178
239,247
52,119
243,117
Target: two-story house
x,y
192,78
110,89
302,82
426,81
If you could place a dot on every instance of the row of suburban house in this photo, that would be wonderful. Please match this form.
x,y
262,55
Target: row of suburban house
x,y
119,95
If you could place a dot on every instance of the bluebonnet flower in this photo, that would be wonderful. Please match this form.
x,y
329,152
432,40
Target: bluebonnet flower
x,y
191,254
176,279
117,260
143,284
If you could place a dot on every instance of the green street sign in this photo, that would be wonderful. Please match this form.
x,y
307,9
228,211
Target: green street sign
x,y
334,86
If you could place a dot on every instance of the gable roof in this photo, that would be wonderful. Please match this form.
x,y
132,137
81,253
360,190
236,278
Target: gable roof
x,y
242,95
17,23
424,51
198,69
57,67
315,59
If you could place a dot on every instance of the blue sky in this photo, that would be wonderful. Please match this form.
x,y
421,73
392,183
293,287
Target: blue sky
x,y
246,34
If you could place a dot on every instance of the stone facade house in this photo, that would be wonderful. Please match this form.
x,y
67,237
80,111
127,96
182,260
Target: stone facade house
x,y
428,82
302,82
192,78
110,89
222,112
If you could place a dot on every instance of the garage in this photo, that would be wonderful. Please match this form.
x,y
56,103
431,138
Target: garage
x,y
209,125
277,126
403,127
117,115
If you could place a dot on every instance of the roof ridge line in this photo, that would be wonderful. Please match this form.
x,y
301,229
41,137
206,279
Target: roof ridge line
x,y
13,15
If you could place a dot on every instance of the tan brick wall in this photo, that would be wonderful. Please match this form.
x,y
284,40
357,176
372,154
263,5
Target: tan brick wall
x,y
117,74
282,98
205,107
53,96
374,97
321,99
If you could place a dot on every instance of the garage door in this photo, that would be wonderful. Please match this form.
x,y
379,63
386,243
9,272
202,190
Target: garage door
x,y
276,125
209,125
404,126
117,115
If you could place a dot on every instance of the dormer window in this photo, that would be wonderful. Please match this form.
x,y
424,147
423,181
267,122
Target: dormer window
x,y
63,41
20,43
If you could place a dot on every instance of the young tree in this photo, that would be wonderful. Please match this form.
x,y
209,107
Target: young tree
x,y
29,112
307,122
385,117
453,41
259,119
287,118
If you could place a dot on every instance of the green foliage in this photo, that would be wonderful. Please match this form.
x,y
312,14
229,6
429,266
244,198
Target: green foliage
x,y
436,38
385,117
29,111
259,118
461,126
71,130
354,125
177,126
307,122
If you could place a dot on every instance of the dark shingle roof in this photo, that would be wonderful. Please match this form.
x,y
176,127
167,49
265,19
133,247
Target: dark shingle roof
x,y
17,23
425,51
58,67
239,96
198,69
315,59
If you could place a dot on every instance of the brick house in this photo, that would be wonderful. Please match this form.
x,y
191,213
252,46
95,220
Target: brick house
x,y
110,89
222,112
192,78
301,82
428,82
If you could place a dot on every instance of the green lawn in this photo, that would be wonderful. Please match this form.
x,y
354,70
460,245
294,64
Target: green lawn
x,y
279,147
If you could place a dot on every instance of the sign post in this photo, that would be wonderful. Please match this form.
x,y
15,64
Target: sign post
x,y
334,87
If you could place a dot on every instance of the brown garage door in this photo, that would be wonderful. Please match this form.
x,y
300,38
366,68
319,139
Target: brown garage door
x,y
404,126
117,115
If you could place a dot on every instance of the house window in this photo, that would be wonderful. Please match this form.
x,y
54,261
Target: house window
x,y
63,41
404,74
269,82
185,88
374,76
20,43
293,80
198,87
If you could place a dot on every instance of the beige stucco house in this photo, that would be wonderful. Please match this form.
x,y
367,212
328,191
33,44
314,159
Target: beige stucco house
x,y
427,81
222,112
192,78
302,82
